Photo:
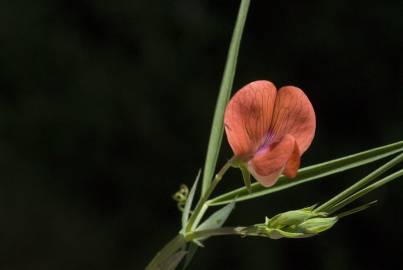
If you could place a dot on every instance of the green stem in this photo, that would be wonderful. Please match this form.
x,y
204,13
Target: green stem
x,y
215,232
167,251
370,177
175,244
201,207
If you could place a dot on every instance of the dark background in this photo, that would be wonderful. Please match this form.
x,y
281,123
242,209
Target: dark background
x,y
106,107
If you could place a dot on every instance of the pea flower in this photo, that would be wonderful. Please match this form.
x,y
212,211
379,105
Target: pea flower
x,y
269,130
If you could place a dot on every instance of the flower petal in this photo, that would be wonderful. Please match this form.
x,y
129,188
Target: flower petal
x,y
248,117
293,114
292,165
267,165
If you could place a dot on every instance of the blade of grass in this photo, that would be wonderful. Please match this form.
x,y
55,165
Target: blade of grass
x,y
356,210
217,128
366,190
360,184
217,219
311,173
189,201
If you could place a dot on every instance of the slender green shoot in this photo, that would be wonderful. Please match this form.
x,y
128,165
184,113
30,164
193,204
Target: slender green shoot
x,y
217,128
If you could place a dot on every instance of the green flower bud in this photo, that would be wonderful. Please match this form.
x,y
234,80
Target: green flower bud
x,y
293,217
263,231
277,234
300,223
317,225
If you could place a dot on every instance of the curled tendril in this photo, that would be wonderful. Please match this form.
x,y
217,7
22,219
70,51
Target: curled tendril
x,y
181,196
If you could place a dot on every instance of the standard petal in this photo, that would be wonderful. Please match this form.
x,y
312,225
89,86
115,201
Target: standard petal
x,y
293,114
267,165
248,117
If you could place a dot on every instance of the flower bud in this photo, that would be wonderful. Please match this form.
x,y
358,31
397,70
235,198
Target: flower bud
x,y
317,225
300,223
277,234
293,217
263,231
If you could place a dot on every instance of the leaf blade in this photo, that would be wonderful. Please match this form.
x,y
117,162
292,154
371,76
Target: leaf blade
x,y
189,200
217,128
356,209
311,173
366,190
218,218
359,185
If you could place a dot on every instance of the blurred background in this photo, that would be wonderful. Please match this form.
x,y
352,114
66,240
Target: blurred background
x,y
106,108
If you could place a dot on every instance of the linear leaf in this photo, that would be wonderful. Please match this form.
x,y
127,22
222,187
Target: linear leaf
x,y
217,219
189,200
311,173
356,209
217,128
366,190
360,184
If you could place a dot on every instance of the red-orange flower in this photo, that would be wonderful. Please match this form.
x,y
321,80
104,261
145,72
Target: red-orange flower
x,y
269,130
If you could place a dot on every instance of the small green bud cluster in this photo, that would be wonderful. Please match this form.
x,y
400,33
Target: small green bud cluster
x,y
300,223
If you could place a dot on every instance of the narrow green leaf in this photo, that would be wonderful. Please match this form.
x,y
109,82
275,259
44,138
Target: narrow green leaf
x,y
217,128
356,210
311,173
189,200
360,184
217,219
366,190
246,178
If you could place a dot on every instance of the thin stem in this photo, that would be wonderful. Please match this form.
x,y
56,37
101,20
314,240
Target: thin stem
x,y
201,207
199,216
215,232
176,243
370,177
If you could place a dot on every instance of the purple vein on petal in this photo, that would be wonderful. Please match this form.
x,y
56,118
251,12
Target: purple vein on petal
x,y
266,142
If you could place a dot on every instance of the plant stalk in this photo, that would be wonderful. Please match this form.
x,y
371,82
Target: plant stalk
x,y
201,207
